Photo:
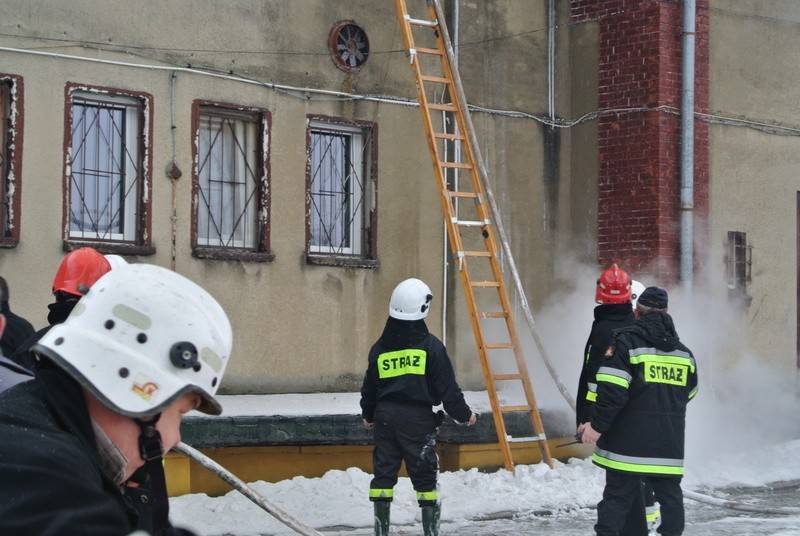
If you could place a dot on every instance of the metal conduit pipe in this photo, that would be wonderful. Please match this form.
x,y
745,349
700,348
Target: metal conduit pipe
x,y
454,17
687,146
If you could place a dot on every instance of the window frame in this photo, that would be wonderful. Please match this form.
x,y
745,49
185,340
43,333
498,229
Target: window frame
x,y
738,265
368,232
260,251
11,138
140,242
737,269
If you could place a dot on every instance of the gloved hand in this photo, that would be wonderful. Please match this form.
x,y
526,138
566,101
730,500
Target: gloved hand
x,y
438,418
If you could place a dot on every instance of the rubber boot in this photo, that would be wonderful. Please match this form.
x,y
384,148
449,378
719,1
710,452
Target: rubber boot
x,y
430,520
382,509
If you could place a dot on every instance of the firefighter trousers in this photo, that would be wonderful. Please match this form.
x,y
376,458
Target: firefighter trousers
x,y
623,489
405,433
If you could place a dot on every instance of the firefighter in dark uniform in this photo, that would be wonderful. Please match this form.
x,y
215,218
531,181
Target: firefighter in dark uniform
x,y
17,328
644,384
615,295
408,372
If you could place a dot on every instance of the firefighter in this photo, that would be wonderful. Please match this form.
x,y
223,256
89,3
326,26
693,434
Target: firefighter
x,y
17,328
408,372
614,294
144,347
78,271
11,373
614,311
638,420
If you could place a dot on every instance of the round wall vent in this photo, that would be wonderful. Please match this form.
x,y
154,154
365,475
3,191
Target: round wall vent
x,y
349,46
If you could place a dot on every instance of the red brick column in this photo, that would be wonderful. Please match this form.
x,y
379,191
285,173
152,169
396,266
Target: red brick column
x,y
639,136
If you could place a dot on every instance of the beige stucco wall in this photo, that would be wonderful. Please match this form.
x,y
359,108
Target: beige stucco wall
x,y
297,327
754,180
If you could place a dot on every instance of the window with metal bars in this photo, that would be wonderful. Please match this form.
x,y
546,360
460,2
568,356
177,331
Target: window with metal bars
x,y
738,262
106,169
231,212
11,90
340,197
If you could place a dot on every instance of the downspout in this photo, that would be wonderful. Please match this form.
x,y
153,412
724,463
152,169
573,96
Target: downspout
x,y
551,60
687,145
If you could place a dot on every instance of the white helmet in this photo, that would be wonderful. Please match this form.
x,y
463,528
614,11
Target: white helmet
x,y
636,290
410,300
141,338
115,261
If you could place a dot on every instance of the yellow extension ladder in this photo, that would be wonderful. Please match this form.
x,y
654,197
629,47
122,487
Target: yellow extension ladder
x,y
453,150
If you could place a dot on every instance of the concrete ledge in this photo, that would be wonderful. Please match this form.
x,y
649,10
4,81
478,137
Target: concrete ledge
x,y
273,448
274,430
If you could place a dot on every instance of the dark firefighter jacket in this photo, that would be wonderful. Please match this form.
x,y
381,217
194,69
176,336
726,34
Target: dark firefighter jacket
x,y
17,330
59,311
410,365
607,319
51,478
643,387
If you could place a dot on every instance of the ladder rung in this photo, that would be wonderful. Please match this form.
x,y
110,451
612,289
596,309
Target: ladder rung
x,y
459,165
494,314
470,223
506,377
530,439
421,22
498,345
446,107
515,408
474,254
437,79
484,284
432,51
448,136
470,195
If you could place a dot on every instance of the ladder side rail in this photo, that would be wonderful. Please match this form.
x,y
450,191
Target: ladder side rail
x,y
483,176
457,109
480,340
408,41
500,229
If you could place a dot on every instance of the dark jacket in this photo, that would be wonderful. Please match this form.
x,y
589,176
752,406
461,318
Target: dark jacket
x,y
410,365
51,478
17,330
608,318
11,374
643,387
59,312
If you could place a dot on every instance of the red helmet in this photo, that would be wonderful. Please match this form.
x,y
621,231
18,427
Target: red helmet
x,y
613,286
79,270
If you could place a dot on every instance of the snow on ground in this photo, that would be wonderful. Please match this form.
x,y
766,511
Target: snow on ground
x,y
338,499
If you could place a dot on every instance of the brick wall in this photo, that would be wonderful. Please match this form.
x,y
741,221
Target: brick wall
x,y
639,138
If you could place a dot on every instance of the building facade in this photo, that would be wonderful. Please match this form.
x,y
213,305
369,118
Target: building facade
x,y
273,152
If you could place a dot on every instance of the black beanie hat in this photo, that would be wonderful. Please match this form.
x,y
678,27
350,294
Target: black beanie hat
x,y
654,297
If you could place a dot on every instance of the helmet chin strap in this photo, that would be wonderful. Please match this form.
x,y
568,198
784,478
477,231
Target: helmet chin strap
x,y
150,446
151,449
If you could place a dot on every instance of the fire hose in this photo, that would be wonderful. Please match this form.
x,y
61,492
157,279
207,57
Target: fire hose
x,y
246,490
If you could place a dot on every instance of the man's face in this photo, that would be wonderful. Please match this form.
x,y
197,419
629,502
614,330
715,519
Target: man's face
x,y
169,425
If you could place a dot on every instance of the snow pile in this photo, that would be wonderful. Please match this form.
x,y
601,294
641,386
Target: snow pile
x,y
338,500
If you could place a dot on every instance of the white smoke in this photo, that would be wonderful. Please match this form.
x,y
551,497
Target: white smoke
x,y
745,399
